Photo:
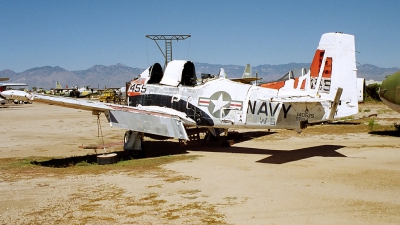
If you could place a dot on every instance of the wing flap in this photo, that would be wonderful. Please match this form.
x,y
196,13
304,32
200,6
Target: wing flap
x,y
148,122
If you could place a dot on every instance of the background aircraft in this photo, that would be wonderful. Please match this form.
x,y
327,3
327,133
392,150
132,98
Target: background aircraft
x,y
169,103
389,91
81,92
247,77
10,94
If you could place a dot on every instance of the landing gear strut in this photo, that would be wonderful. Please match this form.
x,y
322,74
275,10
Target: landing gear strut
x,y
214,136
133,143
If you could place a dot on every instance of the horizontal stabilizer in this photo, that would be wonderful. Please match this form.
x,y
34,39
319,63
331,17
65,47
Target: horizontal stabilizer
x,y
246,80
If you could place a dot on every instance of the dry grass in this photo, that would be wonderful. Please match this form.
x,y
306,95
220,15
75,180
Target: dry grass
x,y
105,203
115,203
119,207
13,169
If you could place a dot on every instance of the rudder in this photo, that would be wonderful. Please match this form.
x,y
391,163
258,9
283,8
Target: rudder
x,y
334,67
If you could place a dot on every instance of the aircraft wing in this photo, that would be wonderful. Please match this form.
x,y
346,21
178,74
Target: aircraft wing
x,y
154,120
245,80
13,84
64,89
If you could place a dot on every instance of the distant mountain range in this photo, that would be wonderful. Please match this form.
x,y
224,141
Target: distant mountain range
x,y
100,76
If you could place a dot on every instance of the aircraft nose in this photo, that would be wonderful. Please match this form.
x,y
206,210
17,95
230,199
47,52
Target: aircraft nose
x,y
390,89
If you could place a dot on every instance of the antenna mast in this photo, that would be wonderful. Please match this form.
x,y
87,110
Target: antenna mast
x,y
168,44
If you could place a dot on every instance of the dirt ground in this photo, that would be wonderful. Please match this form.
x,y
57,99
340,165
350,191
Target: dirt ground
x,y
328,174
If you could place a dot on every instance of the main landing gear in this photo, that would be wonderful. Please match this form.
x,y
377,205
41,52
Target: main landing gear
x,y
133,143
214,136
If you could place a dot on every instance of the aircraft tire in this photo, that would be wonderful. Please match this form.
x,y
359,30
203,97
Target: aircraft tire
x,y
137,154
134,153
126,136
107,158
210,138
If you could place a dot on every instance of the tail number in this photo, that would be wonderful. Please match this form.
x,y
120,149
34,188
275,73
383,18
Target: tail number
x,y
325,85
138,88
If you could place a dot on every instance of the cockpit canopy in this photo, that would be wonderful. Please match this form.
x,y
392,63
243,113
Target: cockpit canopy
x,y
156,74
179,72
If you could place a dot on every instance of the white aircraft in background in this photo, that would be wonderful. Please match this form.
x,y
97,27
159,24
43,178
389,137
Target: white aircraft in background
x,y
17,95
247,77
74,91
169,103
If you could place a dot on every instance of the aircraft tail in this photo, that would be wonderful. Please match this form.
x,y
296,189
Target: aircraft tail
x,y
334,68
222,73
247,71
58,86
332,76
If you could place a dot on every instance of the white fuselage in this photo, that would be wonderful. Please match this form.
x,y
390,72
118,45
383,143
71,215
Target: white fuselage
x,y
222,103
16,95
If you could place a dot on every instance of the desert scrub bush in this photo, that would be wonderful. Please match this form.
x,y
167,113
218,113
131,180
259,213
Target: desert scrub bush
x,y
372,124
372,92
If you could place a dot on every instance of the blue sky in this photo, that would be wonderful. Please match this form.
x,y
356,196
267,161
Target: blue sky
x,y
76,35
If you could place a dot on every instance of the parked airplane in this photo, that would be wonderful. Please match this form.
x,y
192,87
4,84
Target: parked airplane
x,y
17,95
247,76
389,91
169,102
73,92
